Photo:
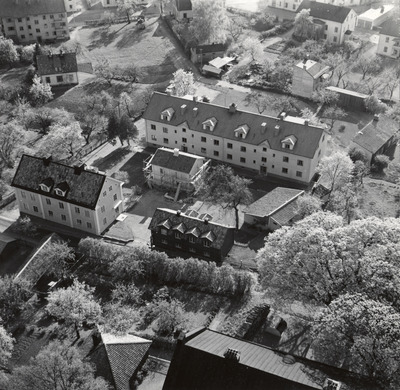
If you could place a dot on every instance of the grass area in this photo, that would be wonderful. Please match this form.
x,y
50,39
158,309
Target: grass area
x,y
107,162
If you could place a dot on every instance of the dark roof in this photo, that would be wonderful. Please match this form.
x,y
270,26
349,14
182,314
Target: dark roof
x,y
183,5
212,69
324,11
308,137
21,8
214,47
166,158
286,214
57,63
5,240
391,27
376,133
84,186
212,231
272,202
313,68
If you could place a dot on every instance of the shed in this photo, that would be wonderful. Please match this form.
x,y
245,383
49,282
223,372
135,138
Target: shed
x,y
350,99
209,70
374,17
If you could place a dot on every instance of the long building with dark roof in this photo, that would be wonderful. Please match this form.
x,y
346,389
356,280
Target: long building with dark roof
x,y
284,146
71,196
29,21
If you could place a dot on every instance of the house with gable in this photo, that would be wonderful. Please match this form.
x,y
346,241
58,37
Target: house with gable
x,y
71,196
203,54
173,230
28,21
307,76
285,146
274,210
389,39
174,169
335,23
374,17
183,10
58,69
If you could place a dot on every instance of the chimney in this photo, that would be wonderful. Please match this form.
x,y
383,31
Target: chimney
x,y
376,117
232,108
277,130
263,127
282,115
306,122
382,9
176,152
178,213
232,354
195,99
183,109
78,169
47,160
289,359
195,111
205,221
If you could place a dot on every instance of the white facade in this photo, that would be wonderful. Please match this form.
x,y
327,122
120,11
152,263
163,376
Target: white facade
x,y
73,5
60,79
290,5
388,46
109,3
374,17
335,32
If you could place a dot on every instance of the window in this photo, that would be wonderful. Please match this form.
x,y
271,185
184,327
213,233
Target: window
x,y
336,29
184,139
9,20
229,145
203,139
334,39
48,201
207,254
206,243
164,242
10,28
77,210
161,170
110,188
164,232
242,160
29,28
35,209
23,194
263,159
299,174
255,150
300,163
28,18
104,221
87,214
192,250
36,22
184,130
51,17
216,153
387,39
285,159
153,127
284,170
20,20
103,209
50,213
229,157
165,130
325,36
21,29
178,235
61,205
385,49
165,140
79,221
63,217
287,146
115,197
60,79
243,148
104,194
216,142
177,245
264,149
153,137
61,15
48,80
192,239
89,225
203,150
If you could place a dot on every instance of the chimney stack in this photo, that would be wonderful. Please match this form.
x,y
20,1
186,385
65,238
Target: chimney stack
x,y
195,99
263,127
306,122
183,109
195,111
282,116
232,354
376,117
232,108
176,152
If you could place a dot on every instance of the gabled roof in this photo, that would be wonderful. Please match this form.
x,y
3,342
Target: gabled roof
x,y
84,186
21,8
213,48
324,11
376,133
391,27
308,137
183,5
213,232
272,202
313,68
5,240
57,63
174,160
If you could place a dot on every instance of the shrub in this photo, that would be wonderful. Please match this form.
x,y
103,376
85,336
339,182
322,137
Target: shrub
x,y
380,163
357,155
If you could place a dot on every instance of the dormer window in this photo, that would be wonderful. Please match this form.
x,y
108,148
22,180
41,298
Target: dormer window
x,y
46,184
289,142
242,131
210,124
62,189
59,192
167,114
44,188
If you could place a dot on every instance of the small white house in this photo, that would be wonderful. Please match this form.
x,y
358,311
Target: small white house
x,y
183,9
374,17
389,39
58,69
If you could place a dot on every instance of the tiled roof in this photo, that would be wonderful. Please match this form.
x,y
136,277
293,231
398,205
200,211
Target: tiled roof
x,y
391,27
376,133
125,354
324,11
21,8
84,186
308,137
313,68
183,5
166,158
57,63
252,355
213,48
214,232
272,201
286,214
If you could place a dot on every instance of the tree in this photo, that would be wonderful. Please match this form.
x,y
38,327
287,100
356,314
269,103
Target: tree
x,y
127,7
8,52
341,70
392,171
369,65
253,47
118,318
307,205
222,185
42,118
209,21
310,115
57,366
12,138
183,83
39,93
332,114
6,346
374,105
276,103
303,24
93,125
390,81
234,28
357,154
122,127
75,305
325,96
364,333
380,163
104,70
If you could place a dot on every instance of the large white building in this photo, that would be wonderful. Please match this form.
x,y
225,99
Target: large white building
x,y
71,196
389,39
29,21
284,146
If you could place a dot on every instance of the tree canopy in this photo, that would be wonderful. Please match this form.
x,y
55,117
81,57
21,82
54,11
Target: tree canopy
x,y
183,83
6,346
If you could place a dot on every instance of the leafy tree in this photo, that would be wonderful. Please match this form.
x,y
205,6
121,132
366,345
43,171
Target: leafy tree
x,y
118,318
380,163
26,53
341,70
263,101
357,155
307,205
42,118
222,185
364,333
127,294
234,28
392,171
122,127
332,114
75,305
325,96
310,115
183,83
127,7
253,47
303,24
209,21
281,76
6,346
57,366
374,105
40,93
104,70
12,138
370,65
93,125
8,52
390,81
